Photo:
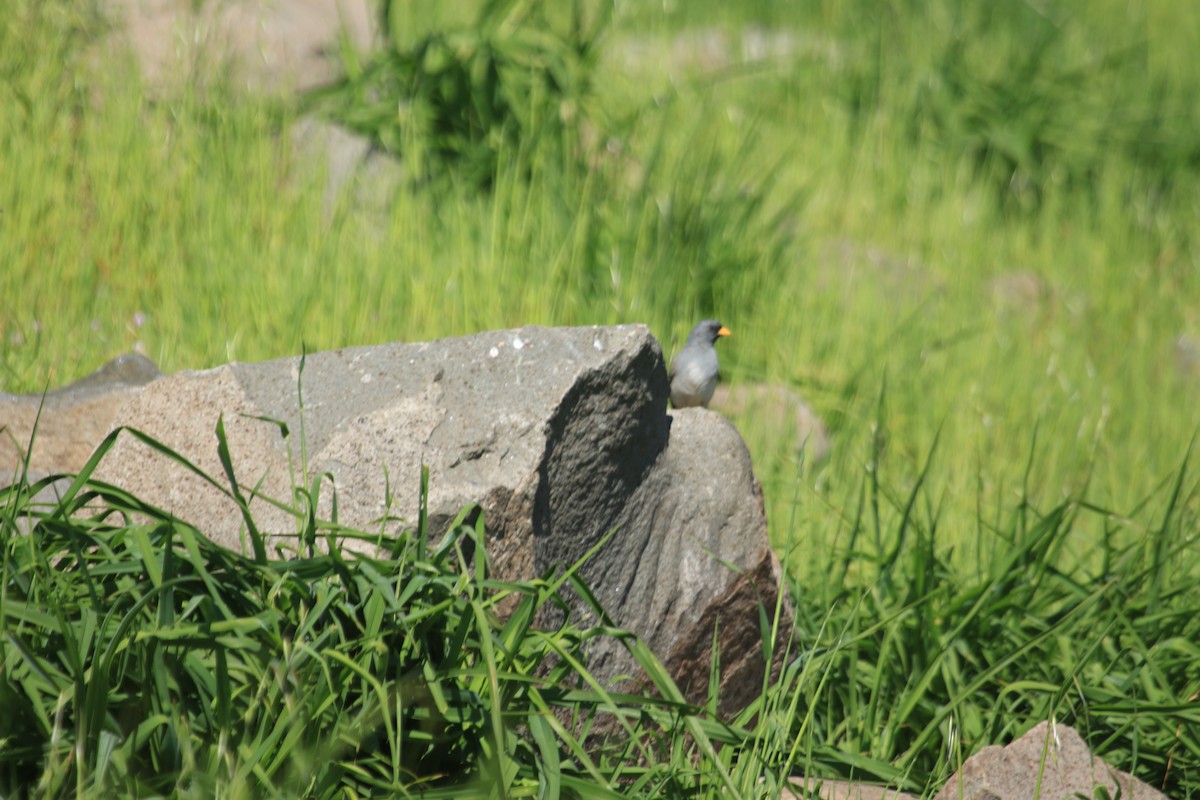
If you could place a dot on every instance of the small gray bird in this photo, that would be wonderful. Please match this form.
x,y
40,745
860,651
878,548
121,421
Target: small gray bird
x,y
694,369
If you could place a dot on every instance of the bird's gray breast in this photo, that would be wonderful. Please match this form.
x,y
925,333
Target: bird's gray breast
x,y
695,378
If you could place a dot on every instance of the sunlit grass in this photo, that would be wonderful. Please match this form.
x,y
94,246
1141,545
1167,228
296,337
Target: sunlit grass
x,y
839,248
859,234
137,657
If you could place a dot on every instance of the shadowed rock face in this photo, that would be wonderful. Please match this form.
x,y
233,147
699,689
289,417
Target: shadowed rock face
x,y
561,435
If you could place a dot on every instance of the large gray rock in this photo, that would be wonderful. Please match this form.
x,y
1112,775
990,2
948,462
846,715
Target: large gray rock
x,y
560,435
1051,762
698,505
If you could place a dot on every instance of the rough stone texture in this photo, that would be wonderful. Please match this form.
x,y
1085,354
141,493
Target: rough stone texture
x,y
560,435
781,410
1014,772
73,419
702,503
1048,762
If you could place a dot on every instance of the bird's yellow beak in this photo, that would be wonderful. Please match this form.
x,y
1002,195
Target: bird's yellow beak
x,y
724,331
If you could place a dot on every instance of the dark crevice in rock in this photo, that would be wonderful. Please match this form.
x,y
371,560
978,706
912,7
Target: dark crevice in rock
x,y
602,441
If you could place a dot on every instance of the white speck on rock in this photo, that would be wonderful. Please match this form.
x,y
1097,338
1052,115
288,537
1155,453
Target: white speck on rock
x,y
518,343
596,343
366,377
495,351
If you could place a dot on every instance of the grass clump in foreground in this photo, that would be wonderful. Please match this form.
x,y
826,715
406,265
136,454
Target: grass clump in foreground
x,y
138,658
1072,613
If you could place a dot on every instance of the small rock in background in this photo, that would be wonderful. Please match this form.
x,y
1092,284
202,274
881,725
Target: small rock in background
x,y
1050,761
1187,355
350,162
1018,291
124,371
782,410
845,263
1024,293
271,46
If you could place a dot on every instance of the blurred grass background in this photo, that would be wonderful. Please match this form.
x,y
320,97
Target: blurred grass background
x,y
989,210
965,234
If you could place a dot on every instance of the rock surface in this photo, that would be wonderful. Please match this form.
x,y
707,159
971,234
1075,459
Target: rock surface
x,y
561,435
1049,762
73,419
269,46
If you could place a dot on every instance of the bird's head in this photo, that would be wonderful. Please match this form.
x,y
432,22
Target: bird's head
x,y
708,331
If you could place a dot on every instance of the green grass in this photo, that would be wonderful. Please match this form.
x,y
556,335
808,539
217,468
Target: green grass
x,y
140,659
846,207
137,658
